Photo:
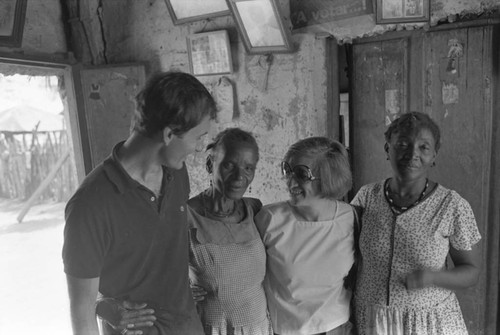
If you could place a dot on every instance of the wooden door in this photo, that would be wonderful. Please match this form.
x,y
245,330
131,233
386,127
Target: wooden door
x,y
380,77
451,74
459,82
106,96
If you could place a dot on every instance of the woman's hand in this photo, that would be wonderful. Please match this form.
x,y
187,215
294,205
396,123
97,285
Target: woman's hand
x,y
463,274
199,293
125,316
419,279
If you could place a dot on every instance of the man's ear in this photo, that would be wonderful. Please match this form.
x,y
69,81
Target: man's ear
x,y
168,134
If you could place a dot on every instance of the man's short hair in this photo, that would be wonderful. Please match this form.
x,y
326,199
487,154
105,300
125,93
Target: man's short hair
x,y
172,99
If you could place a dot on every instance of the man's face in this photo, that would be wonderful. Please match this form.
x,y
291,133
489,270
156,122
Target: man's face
x,y
179,147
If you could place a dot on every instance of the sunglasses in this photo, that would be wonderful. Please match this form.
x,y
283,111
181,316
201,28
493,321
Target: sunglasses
x,y
302,172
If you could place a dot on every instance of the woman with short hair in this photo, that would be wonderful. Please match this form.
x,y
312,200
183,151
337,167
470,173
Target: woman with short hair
x,y
309,241
410,224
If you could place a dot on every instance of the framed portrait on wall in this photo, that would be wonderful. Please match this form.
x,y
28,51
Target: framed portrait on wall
x,y
12,17
401,11
260,26
183,11
209,53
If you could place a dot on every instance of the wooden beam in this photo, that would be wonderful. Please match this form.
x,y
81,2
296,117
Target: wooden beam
x,y
44,184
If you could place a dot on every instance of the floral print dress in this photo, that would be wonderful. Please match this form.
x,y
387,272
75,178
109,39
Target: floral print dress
x,y
393,246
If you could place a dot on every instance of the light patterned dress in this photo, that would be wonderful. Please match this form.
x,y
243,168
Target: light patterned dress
x,y
393,246
229,262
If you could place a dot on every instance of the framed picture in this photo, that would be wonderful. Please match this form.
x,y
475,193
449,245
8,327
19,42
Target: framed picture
x,y
400,11
12,16
209,53
183,11
260,26
312,12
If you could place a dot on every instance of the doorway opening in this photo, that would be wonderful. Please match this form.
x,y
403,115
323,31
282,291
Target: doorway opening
x,y
40,168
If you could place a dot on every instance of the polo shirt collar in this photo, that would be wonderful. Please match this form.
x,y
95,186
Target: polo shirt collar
x,y
117,174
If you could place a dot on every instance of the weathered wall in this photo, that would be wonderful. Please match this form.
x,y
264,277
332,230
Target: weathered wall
x,y
43,29
441,11
293,106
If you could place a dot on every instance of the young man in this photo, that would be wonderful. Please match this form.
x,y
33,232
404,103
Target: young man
x,y
126,232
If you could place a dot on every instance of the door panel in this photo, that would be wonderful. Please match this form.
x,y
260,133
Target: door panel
x,y
108,94
455,98
380,74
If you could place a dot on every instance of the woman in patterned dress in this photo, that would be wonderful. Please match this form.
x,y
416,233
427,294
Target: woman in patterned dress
x,y
409,226
309,242
227,258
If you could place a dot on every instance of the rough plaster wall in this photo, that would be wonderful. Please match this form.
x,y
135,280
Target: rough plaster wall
x,y
292,107
346,30
43,29
446,8
294,104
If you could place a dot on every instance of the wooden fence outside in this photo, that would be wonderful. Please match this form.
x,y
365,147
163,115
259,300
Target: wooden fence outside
x,y
27,159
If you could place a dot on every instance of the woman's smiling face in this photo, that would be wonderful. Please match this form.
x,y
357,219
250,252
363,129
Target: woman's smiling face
x,y
412,154
302,193
234,169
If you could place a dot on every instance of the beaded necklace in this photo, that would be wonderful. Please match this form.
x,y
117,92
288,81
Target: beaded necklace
x,y
400,209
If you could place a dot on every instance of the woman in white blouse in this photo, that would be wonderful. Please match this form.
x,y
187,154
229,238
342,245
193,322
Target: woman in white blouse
x,y
309,242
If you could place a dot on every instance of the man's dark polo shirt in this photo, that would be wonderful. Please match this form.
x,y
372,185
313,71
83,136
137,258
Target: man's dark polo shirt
x,y
117,229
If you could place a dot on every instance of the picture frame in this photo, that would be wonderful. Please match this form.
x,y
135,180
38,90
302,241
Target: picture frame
x,y
260,26
184,11
401,11
209,53
12,17
313,12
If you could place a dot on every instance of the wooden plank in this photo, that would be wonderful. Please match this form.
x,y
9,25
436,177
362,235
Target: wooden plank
x,y
455,99
332,94
380,71
45,183
108,94
491,233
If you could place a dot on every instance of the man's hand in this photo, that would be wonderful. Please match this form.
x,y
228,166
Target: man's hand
x,y
198,292
125,316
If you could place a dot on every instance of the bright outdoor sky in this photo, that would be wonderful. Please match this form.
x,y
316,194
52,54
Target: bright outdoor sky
x,y
33,91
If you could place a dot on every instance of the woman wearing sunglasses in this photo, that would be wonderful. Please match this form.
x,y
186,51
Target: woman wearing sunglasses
x,y
309,241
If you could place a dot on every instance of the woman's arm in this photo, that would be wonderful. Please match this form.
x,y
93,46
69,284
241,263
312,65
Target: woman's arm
x,y
465,273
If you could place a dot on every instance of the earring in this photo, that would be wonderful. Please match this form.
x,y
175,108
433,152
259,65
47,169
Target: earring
x,y
211,185
250,189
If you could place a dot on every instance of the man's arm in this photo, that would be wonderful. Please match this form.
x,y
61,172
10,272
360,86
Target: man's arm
x,y
82,298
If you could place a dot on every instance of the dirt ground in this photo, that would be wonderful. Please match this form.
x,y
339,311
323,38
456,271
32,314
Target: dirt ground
x,y
33,293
